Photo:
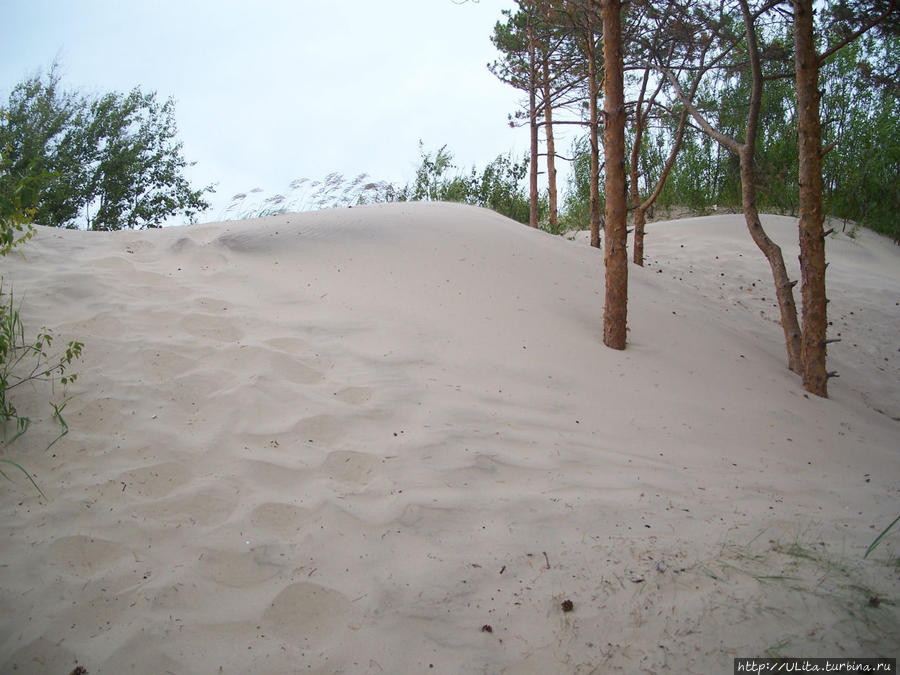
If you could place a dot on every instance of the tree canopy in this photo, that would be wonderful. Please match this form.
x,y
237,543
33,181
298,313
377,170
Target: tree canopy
x,y
102,163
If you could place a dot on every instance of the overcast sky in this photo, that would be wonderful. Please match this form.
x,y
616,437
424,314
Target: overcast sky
x,y
273,90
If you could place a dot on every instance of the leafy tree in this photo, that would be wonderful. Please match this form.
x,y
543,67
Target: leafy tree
x,y
107,163
15,219
497,187
518,43
860,113
538,56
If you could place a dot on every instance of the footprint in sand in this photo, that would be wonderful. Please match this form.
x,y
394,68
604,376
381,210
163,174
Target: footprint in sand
x,y
320,429
349,466
276,477
184,244
354,395
210,327
248,359
113,263
84,556
308,613
239,570
210,506
279,519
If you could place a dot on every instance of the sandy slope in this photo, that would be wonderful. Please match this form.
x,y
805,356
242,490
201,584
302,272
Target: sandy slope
x,y
346,441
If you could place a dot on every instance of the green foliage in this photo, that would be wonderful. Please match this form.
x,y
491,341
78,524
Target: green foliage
x,y
108,163
862,171
15,223
15,217
881,536
430,183
498,187
576,210
860,113
24,361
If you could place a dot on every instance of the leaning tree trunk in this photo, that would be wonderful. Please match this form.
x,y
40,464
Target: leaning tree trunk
x,y
616,251
595,140
641,209
784,287
551,152
639,217
812,238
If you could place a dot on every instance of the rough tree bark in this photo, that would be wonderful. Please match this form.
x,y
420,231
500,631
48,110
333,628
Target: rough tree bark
x,y
594,137
552,216
616,252
639,217
532,121
812,239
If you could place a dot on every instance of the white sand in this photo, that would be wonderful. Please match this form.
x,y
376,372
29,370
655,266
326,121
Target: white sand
x,y
344,441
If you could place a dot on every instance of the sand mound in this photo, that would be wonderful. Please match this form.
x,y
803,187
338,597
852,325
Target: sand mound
x,y
348,441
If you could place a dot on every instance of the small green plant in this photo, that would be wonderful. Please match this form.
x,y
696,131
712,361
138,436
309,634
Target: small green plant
x,y
881,536
24,361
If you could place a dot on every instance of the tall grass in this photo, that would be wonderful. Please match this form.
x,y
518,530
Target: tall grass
x,y
303,194
499,186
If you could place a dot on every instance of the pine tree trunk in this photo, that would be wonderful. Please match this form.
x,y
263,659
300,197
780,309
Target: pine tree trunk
x,y
551,153
532,118
616,252
595,141
640,220
633,182
812,239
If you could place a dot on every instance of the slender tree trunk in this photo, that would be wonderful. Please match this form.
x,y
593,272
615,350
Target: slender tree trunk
x,y
784,287
812,239
616,251
595,140
641,209
532,119
640,222
639,217
551,151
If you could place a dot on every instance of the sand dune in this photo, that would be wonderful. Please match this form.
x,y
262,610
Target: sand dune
x,y
351,440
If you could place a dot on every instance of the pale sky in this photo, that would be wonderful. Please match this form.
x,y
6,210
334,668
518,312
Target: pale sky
x,y
268,91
